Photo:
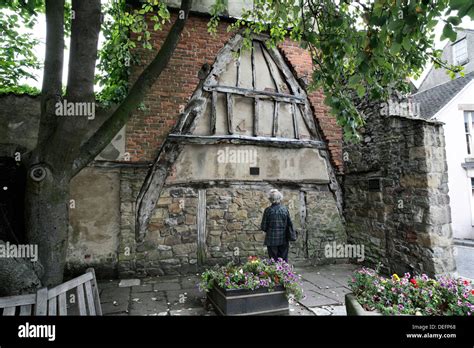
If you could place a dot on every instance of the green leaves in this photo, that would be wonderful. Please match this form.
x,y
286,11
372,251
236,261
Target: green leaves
x,y
448,33
118,53
17,57
464,8
362,51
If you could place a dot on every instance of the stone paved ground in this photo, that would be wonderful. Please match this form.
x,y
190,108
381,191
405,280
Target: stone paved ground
x,y
465,260
325,287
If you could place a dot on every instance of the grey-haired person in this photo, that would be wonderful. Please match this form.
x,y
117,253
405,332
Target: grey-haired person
x,y
276,221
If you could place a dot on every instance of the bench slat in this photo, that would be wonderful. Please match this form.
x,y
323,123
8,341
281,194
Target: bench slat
x,y
95,292
81,300
9,311
62,304
90,298
52,305
46,302
13,301
41,307
25,310
69,285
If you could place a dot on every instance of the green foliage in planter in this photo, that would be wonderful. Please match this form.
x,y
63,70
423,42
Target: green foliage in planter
x,y
418,295
254,274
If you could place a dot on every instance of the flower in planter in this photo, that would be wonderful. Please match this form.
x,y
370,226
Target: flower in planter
x,y
255,273
417,295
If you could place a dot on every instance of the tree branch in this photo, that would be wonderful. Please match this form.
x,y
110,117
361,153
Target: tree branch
x,y
64,145
53,71
118,119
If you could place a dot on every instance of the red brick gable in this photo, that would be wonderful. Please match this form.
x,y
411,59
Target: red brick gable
x,y
147,129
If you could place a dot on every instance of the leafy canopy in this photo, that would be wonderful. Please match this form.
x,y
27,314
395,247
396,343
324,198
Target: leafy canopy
x,y
361,50
118,53
17,59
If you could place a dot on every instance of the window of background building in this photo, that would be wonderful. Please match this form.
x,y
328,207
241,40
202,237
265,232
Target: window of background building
x,y
460,52
468,129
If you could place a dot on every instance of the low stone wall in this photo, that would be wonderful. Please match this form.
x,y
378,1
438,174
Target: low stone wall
x,y
396,195
102,232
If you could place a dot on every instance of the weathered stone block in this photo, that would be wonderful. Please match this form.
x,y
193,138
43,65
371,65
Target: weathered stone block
x,y
215,214
172,240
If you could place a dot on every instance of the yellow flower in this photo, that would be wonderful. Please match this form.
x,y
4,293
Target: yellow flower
x,y
395,277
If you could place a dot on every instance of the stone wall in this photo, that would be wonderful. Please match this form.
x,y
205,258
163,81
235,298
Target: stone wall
x,y
396,195
94,217
232,225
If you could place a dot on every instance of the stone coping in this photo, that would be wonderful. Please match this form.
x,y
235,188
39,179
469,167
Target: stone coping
x,y
353,307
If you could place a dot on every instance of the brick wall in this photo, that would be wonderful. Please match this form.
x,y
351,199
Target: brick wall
x,y
300,61
148,128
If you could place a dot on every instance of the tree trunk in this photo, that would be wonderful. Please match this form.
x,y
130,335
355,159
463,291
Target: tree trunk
x,y
59,154
47,221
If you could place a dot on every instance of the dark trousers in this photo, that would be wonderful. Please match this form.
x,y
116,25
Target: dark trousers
x,y
274,252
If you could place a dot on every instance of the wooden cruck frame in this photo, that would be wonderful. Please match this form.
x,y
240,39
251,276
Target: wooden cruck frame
x,y
208,90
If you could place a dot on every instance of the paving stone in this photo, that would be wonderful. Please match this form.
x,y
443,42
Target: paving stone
x,y
192,311
148,304
342,279
189,282
161,286
150,281
142,288
314,299
168,279
336,294
298,310
308,286
324,287
114,308
129,282
115,294
321,311
330,311
339,310
185,298
320,281
107,284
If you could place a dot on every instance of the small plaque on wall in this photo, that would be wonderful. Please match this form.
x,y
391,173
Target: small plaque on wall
x,y
254,171
374,185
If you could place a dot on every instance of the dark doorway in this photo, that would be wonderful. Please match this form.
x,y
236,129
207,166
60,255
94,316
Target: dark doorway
x,y
12,197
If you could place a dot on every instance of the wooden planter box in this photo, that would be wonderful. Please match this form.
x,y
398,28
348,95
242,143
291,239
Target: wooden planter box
x,y
249,302
353,308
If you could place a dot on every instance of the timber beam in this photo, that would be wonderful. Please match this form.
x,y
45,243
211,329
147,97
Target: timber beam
x,y
246,140
282,97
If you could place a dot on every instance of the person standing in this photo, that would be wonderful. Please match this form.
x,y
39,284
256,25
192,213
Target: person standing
x,y
276,223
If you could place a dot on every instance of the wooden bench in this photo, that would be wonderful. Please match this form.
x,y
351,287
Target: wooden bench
x,y
32,304
54,301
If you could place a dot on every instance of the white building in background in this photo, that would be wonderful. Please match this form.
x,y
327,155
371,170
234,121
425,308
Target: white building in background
x,y
452,102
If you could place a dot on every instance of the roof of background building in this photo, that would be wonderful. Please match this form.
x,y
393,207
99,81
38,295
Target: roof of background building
x,y
434,99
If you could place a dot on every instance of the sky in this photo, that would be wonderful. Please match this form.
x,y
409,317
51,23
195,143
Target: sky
x,y
39,32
